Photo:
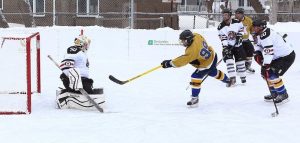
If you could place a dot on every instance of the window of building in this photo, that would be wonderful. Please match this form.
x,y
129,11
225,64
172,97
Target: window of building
x,y
87,7
38,7
241,2
248,3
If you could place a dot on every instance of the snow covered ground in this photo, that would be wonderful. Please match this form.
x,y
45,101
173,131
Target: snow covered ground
x,y
152,108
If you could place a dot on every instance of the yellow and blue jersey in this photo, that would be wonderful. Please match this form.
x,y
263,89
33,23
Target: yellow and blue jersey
x,y
198,54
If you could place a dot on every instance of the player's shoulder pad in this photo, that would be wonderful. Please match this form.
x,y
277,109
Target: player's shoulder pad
x,y
73,50
265,34
221,25
233,21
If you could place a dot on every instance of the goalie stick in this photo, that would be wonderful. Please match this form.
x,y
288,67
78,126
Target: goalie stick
x,y
82,91
112,78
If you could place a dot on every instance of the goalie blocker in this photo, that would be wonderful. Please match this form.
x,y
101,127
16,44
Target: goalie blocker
x,y
75,100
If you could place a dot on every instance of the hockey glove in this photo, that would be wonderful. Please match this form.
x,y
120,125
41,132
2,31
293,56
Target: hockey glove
x,y
227,54
166,64
258,57
239,39
226,50
265,69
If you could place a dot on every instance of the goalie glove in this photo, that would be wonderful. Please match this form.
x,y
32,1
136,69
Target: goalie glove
x,y
75,79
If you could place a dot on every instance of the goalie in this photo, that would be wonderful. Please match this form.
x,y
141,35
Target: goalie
x,y
75,67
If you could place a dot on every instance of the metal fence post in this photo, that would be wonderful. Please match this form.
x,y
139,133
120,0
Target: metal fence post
x,y
131,14
161,22
194,22
54,17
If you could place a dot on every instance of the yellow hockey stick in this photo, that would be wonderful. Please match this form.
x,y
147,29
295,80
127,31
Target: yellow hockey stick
x,y
112,78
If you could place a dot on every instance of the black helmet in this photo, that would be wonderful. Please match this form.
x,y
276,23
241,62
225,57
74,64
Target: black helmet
x,y
225,10
240,10
259,23
187,36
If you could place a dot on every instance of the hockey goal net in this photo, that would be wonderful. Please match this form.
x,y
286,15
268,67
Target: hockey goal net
x,y
20,72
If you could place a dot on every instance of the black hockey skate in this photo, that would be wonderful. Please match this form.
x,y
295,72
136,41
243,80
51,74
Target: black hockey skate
x,y
231,82
268,98
193,102
250,70
281,99
243,79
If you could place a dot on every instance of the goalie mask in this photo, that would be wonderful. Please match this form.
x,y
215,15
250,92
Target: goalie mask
x,y
83,42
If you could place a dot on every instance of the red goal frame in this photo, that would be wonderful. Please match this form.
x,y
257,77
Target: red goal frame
x,y
29,91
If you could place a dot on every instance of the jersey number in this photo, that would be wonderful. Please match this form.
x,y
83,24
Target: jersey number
x,y
205,53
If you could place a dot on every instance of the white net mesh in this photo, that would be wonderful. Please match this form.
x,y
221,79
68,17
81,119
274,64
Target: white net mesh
x,y
13,67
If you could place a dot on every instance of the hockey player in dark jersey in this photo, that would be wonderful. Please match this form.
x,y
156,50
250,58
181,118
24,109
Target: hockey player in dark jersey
x,y
202,57
275,57
231,32
246,44
75,67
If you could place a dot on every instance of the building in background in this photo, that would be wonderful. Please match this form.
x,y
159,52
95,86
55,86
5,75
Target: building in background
x,y
146,14
105,13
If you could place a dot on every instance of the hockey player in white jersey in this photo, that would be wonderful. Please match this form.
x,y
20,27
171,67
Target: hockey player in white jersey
x,y
231,32
75,67
275,57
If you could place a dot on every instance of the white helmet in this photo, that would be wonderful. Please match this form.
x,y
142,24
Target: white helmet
x,y
82,41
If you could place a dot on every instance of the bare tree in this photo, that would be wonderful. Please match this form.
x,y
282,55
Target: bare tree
x,y
257,6
291,8
3,21
209,5
274,11
28,18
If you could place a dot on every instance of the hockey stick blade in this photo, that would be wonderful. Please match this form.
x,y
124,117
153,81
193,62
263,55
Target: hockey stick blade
x,y
275,114
112,78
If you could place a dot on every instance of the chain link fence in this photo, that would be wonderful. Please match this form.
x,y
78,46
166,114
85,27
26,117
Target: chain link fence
x,y
145,14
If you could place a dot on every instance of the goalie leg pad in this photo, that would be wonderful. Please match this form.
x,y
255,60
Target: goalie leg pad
x,y
70,100
75,79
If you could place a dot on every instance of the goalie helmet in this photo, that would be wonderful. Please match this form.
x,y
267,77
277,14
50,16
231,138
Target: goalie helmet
x,y
82,41
186,37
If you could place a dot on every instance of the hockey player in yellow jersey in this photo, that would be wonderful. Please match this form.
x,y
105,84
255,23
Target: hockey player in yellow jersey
x,y
246,44
202,57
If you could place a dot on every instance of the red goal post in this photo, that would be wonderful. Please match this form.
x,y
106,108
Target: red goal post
x,y
28,92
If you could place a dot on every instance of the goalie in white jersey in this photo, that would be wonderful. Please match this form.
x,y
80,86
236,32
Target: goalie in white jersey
x,y
275,57
75,67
